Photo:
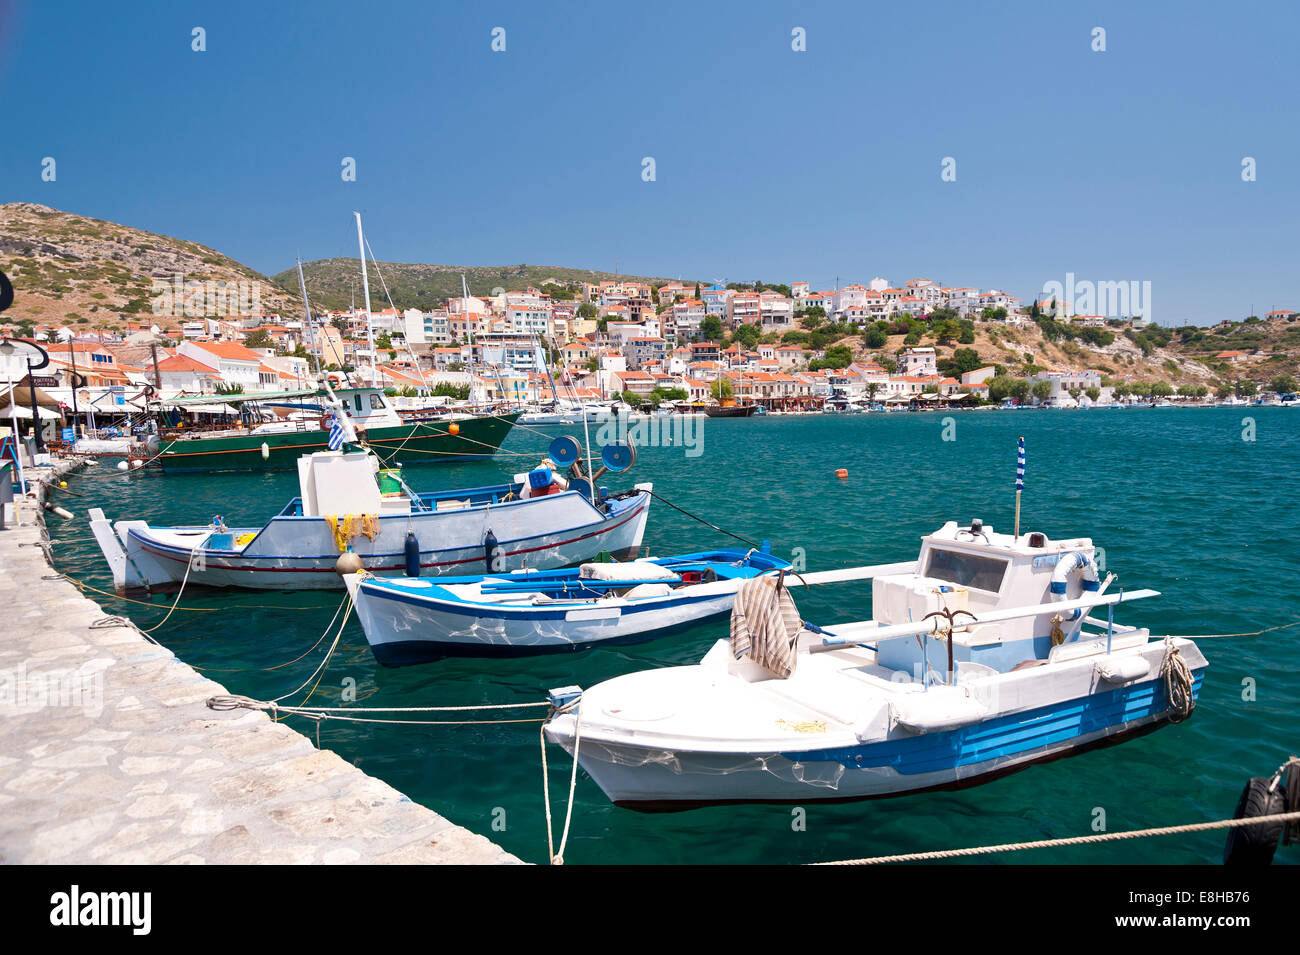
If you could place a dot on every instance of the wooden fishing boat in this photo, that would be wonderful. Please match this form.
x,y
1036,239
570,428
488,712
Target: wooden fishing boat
x,y
348,505
265,441
981,658
414,620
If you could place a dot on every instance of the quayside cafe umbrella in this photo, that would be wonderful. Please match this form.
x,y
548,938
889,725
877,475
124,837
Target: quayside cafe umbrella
x,y
16,402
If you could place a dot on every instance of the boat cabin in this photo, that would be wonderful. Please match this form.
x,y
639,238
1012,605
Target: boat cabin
x,y
368,407
977,570
348,482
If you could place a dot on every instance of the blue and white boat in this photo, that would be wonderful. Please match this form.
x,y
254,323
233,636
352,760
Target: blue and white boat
x,y
982,657
415,620
350,509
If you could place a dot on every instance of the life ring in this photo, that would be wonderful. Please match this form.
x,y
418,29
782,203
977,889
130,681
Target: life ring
x,y
334,379
1069,563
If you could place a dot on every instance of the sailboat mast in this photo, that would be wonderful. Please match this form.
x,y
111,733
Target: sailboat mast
x,y
469,333
311,335
365,286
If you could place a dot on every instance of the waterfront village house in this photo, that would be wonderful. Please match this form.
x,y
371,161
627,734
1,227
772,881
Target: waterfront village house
x,y
611,363
705,351
686,318
444,358
668,293
291,369
705,370
745,309
918,361
776,311
578,352
1063,381
911,386
638,382
645,351
979,376
236,364
330,342
94,362
789,356
716,300
800,290
185,375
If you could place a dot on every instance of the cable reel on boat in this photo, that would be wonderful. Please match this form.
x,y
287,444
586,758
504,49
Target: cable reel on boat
x,y
615,458
565,451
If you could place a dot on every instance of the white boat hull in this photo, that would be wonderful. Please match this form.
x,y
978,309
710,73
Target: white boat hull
x,y
402,632
300,553
681,737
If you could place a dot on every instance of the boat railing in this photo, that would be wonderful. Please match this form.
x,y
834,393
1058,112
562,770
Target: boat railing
x,y
188,431
850,634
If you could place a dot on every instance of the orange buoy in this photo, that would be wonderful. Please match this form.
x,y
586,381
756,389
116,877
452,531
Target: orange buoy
x,y
842,473
454,428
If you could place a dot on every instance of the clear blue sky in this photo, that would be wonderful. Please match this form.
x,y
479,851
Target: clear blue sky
x,y
770,164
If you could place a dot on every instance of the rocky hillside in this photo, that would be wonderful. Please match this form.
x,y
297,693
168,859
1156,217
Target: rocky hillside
x,y
1180,357
336,283
91,274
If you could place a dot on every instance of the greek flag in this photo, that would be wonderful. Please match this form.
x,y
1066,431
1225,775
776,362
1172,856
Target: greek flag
x,y
1020,466
336,434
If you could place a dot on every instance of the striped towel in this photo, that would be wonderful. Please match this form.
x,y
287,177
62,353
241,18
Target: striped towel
x,y
765,624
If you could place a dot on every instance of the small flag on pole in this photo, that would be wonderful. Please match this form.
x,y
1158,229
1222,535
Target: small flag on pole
x,y
336,434
1020,480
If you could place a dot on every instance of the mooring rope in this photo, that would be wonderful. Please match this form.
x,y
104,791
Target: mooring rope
x,y
1179,682
189,565
696,517
557,858
1071,840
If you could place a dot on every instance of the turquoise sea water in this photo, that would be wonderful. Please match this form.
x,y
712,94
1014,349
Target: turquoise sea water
x,y
1178,499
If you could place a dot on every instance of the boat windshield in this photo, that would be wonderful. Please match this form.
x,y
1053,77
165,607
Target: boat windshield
x,y
967,570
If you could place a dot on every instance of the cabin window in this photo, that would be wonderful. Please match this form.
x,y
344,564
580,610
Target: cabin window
x,y
967,570
376,403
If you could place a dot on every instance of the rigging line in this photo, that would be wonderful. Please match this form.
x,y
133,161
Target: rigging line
x,y
738,537
1253,633
1074,840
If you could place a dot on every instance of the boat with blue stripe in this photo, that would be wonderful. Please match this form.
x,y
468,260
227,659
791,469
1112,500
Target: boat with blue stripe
x,y
415,620
989,653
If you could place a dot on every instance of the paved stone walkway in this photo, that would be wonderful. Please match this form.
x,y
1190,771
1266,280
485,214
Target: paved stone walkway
x,y
125,763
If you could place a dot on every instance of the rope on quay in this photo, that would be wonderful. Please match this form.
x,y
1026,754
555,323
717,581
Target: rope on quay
x,y
557,857
82,585
1072,840
696,517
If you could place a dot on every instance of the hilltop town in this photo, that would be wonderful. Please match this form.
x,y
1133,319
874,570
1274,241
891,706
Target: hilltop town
x,y
185,320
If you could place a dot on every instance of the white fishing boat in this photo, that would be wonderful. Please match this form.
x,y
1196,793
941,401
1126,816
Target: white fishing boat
x,y
348,504
414,620
982,657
